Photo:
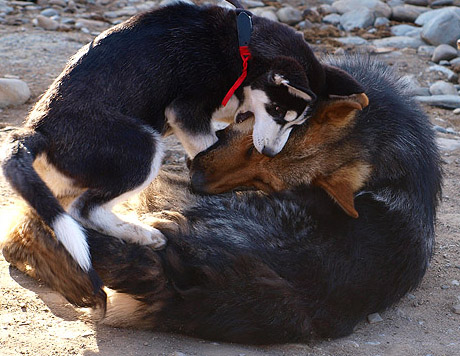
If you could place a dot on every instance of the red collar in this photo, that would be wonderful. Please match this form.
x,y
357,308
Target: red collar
x,y
244,26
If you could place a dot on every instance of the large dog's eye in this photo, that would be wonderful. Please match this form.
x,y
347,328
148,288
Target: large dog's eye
x,y
276,111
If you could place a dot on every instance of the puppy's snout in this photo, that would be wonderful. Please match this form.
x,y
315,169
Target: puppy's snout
x,y
267,151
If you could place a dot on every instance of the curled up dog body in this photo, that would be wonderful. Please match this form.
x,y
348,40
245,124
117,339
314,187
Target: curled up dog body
x,y
97,131
344,227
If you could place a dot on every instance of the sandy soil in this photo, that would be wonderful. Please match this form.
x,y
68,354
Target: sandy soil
x,y
37,321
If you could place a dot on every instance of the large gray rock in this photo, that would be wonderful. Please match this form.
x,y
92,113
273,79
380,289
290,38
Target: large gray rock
x,y
444,52
443,88
359,18
289,15
13,92
406,30
443,101
379,8
407,13
429,15
398,42
444,28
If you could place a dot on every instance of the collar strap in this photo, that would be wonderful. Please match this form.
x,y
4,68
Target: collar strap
x,y
244,26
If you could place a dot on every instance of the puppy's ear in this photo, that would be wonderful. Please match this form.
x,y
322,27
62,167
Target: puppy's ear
x,y
278,79
340,83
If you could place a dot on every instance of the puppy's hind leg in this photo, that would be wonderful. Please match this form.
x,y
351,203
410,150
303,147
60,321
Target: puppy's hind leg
x,y
94,207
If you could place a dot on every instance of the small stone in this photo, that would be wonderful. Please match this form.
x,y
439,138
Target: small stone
x,y
332,19
426,50
374,318
405,30
456,111
444,63
359,18
252,3
443,88
456,309
381,21
445,286
410,296
146,344
378,8
444,51
455,283
305,25
13,92
289,15
269,15
441,3
178,353
49,13
455,61
417,2
399,42
60,3
326,9
443,101
312,15
352,40
45,23
339,52
451,75
407,13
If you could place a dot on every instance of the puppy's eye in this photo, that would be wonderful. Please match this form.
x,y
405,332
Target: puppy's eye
x,y
280,111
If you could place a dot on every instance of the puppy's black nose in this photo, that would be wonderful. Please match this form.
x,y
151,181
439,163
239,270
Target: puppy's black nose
x,y
198,182
268,152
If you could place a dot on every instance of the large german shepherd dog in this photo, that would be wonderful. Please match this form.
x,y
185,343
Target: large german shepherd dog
x,y
346,228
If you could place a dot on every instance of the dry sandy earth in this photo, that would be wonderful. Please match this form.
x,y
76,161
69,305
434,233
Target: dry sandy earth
x,y
36,321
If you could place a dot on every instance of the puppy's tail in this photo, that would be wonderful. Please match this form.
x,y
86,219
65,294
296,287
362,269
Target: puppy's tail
x,y
21,149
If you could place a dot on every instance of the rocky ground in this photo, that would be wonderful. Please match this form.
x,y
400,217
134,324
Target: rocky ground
x,y
416,37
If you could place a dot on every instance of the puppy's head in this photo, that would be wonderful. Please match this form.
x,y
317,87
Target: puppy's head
x,y
318,153
282,98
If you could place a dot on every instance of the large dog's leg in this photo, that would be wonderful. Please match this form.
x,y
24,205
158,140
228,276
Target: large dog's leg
x,y
94,207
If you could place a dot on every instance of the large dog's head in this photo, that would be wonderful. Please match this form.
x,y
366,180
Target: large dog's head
x,y
283,96
322,152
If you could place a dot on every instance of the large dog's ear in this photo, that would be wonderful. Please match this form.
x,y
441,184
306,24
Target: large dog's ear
x,y
338,110
342,184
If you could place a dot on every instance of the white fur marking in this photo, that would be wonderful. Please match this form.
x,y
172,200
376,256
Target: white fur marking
x,y
192,143
267,133
226,113
102,218
72,236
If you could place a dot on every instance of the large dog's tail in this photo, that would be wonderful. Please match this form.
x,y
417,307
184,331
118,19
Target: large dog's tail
x,y
22,147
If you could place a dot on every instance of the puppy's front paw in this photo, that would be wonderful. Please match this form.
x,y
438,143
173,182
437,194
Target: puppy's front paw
x,y
157,240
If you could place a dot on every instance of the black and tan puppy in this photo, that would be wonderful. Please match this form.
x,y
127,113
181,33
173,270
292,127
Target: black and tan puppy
x,y
96,133
347,229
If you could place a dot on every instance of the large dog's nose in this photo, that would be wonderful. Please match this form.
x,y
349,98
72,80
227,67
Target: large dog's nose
x,y
267,151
